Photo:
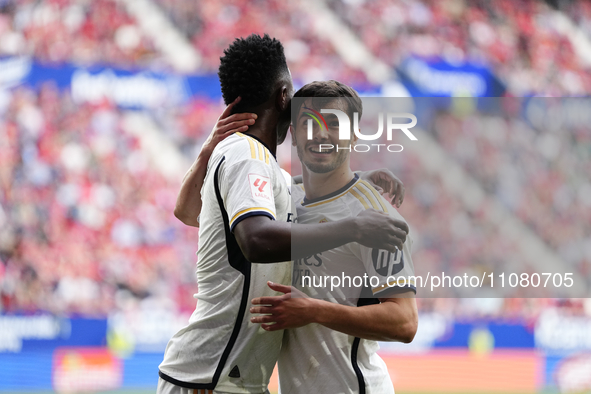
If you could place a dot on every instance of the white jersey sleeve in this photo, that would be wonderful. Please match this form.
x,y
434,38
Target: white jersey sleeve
x,y
393,271
288,179
247,190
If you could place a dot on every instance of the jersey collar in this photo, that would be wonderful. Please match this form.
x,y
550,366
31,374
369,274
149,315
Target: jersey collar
x,y
335,193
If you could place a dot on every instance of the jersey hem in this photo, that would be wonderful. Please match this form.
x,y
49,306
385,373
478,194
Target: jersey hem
x,y
187,385
211,386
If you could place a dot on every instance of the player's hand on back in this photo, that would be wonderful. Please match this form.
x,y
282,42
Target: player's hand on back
x,y
385,182
226,125
378,230
293,309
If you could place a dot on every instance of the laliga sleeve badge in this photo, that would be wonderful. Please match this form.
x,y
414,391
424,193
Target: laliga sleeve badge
x,y
260,187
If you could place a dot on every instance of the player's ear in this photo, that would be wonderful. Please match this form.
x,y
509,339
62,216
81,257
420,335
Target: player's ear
x,y
293,136
282,98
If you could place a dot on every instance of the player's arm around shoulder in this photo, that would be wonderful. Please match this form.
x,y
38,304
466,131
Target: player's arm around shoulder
x,y
188,205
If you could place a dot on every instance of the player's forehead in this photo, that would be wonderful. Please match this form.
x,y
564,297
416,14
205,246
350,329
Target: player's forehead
x,y
320,103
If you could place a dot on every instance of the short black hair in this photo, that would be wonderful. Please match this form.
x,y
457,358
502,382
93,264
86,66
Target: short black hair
x,y
250,68
322,90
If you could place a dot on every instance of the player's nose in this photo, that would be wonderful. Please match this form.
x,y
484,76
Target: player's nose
x,y
321,134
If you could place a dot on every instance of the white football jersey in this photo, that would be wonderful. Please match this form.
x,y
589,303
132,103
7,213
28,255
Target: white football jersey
x,y
315,358
220,348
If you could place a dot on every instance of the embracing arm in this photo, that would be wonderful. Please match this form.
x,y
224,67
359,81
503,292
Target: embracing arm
x,y
188,202
394,319
268,241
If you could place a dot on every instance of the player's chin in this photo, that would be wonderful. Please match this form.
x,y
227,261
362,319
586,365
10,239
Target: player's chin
x,y
321,167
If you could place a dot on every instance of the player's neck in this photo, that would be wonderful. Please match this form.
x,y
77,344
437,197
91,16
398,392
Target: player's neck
x,y
319,185
265,129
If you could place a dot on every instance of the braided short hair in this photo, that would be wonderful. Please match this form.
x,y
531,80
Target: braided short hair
x,y
249,68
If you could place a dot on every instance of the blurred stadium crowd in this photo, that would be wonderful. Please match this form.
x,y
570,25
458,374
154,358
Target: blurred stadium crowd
x,y
86,223
81,32
211,25
539,173
86,219
520,39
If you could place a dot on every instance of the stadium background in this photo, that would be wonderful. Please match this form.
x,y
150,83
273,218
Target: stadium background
x,y
104,104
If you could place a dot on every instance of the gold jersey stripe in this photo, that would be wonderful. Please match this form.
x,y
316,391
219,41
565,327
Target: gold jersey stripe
x,y
332,199
263,154
366,189
261,151
250,210
369,197
376,194
251,142
253,152
361,199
